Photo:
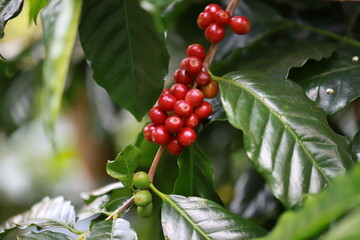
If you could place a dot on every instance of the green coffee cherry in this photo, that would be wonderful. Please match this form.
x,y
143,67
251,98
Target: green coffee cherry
x,y
141,180
142,198
145,212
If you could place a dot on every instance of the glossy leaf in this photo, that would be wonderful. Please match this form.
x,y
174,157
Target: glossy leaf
x,y
276,59
95,207
88,196
118,229
335,83
124,165
196,175
319,211
286,135
35,8
356,147
8,9
48,235
127,55
198,218
60,21
50,212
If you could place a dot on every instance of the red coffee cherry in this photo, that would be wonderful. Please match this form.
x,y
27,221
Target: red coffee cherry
x,y
194,97
166,102
214,33
203,78
174,146
193,65
212,8
160,135
174,124
204,110
192,120
182,108
186,136
205,19
211,90
157,116
240,25
183,63
196,50
179,90
147,131
180,76
165,91
223,17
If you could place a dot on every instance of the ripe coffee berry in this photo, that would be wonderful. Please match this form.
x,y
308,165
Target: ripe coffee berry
x,y
166,102
204,110
211,90
183,63
145,212
165,91
187,136
160,135
147,131
194,97
212,8
174,124
240,25
214,33
180,76
157,116
182,108
196,50
192,120
193,65
223,17
174,147
203,78
142,198
179,90
141,180
205,19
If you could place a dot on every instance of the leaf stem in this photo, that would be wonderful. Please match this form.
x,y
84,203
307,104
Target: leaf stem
x,y
156,162
121,209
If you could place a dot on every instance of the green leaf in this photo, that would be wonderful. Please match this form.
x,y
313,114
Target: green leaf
x,y
356,147
50,212
48,235
319,211
35,8
286,135
127,55
196,175
124,165
60,21
8,10
95,207
335,83
118,229
193,218
89,196
276,59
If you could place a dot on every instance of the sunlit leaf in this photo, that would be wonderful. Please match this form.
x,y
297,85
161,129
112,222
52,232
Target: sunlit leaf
x,y
286,135
35,8
101,191
8,9
118,229
95,207
48,235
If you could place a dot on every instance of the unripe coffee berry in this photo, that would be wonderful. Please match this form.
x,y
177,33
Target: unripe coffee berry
x,y
194,97
193,65
166,102
174,124
203,78
187,136
180,76
141,180
211,90
192,120
240,25
196,50
214,33
182,108
146,211
174,146
179,90
204,110
223,17
160,135
147,131
142,198
157,116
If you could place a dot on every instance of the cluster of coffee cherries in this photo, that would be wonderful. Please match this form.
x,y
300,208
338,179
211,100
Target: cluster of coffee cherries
x,y
142,198
180,108
214,19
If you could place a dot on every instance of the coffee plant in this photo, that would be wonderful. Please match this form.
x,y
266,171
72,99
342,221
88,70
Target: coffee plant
x,y
250,113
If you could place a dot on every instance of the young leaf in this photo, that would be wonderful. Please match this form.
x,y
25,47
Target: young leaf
x,y
48,235
356,147
125,52
60,21
124,165
196,175
35,8
319,211
8,9
55,212
193,218
118,229
286,135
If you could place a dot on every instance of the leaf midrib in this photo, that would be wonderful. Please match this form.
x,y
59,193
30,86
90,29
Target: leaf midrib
x,y
334,71
286,126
